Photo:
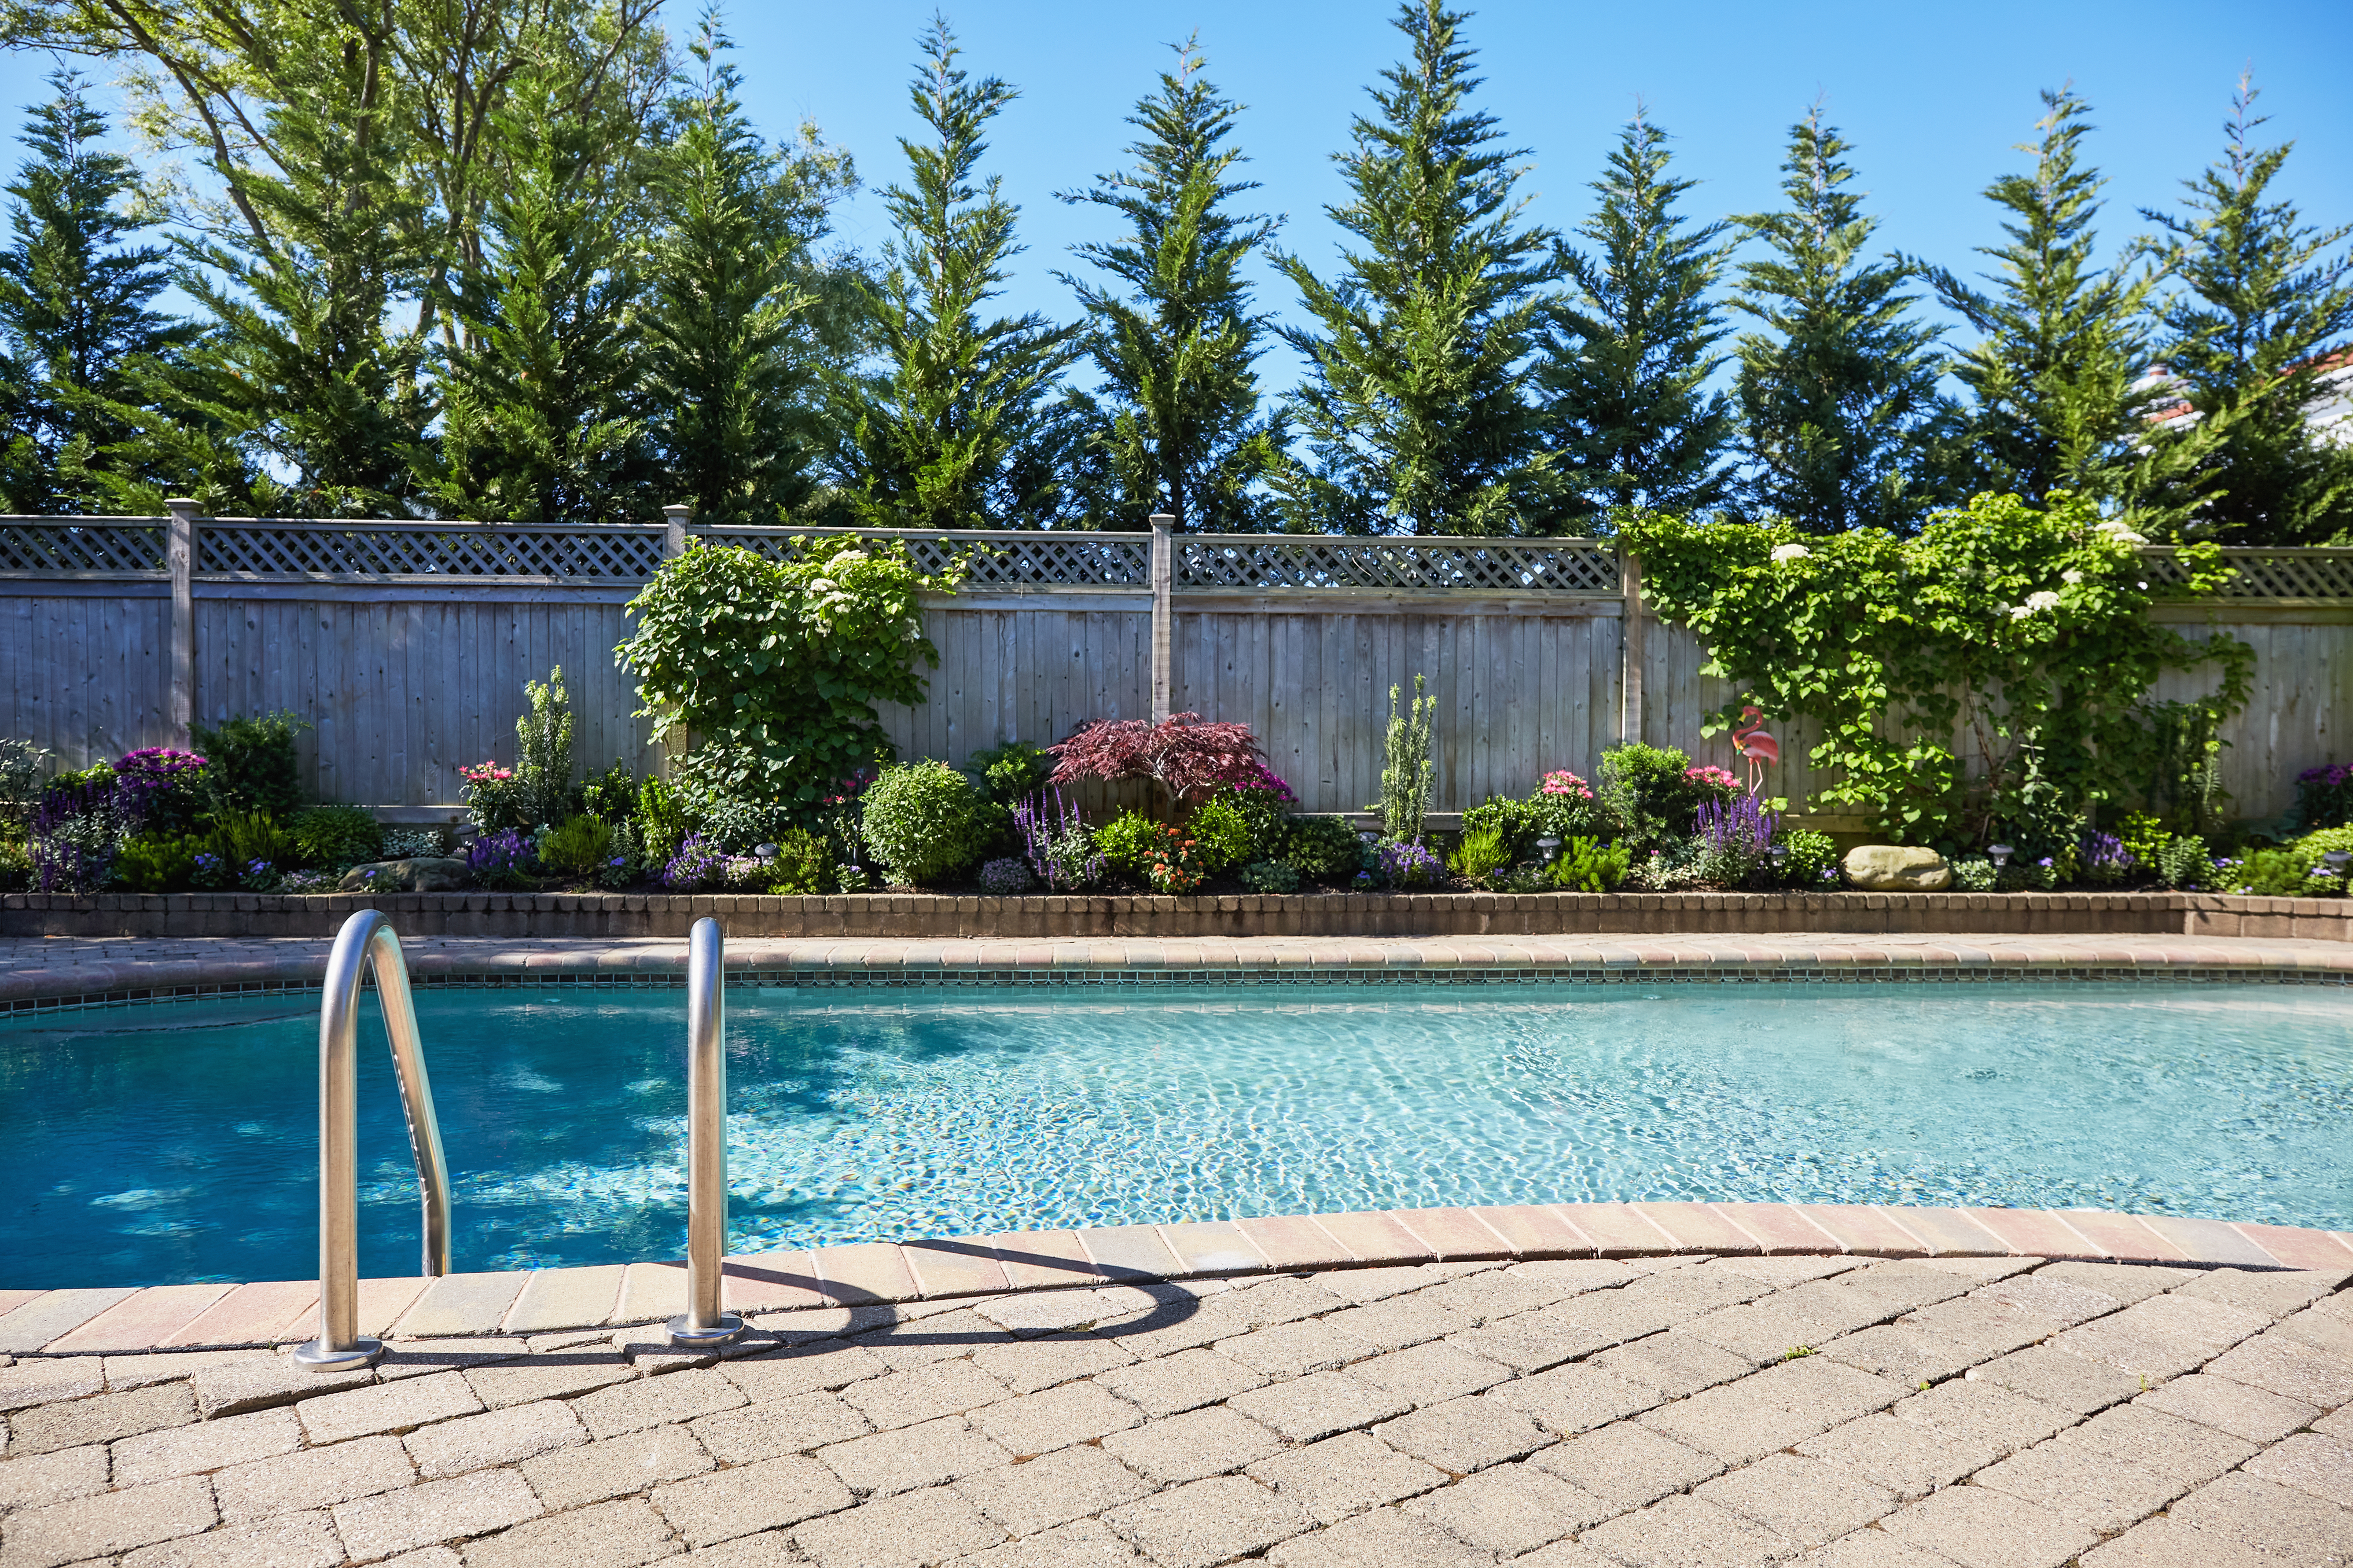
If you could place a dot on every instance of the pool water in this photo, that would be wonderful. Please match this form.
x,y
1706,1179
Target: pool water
x,y
178,1143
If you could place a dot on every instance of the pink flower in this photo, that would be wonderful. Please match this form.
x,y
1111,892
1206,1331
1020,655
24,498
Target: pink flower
x,y
1567,782
1709,774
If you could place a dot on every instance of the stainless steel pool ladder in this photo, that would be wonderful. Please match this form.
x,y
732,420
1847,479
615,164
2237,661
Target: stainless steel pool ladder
x,y
367,941
704,1322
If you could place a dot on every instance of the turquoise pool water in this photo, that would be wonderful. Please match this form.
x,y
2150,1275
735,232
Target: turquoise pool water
x,y
152,1145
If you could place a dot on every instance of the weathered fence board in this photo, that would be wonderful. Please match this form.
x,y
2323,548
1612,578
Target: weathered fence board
x,y
408,645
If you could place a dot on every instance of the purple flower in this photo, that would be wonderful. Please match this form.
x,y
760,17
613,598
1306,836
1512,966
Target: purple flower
x,y
1737,824
505,850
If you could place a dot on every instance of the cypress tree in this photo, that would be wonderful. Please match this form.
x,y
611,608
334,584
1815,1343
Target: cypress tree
x,y
1417,405
732,329
961,427
1838,390
2057,401
1630,351
76,318
1178,422
2262,311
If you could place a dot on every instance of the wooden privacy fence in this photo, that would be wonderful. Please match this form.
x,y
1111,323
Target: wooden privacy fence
x,y
407,644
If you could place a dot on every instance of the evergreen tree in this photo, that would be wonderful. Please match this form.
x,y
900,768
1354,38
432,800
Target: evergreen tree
x,y
542,420
1181,433
2262,314
2057,397
733,327
76,318
1417,405
1630,351
1836,394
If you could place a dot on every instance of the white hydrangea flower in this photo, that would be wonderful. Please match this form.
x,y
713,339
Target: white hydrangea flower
x,y
1790,552
2121,532
2045,600
2071,575
2020,612
825,585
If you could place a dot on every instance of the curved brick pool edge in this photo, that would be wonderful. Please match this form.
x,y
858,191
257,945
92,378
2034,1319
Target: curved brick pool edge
x,y
128,1320
920,916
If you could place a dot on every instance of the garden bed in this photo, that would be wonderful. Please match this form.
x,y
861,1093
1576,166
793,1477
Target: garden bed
x,y
926,915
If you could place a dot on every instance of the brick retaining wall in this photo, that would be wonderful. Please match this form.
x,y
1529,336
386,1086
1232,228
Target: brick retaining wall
x,y
922,915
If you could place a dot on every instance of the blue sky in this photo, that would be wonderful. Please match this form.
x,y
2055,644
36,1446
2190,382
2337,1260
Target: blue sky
x,y
1932,96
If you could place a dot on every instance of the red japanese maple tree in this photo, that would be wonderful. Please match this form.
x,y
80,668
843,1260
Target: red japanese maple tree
x,y
1183,754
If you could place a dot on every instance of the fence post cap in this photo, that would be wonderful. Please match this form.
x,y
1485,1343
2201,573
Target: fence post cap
x,y
679,511
181,503
1164,521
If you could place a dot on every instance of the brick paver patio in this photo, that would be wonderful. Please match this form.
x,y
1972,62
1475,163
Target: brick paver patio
x,y
1570,1413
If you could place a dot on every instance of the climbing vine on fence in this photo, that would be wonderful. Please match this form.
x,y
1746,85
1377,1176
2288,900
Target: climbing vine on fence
x,y
775,667
1990,677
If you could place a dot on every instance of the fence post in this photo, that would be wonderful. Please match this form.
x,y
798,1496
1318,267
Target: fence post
x,y
1163,573
180,561
675,520
1629,652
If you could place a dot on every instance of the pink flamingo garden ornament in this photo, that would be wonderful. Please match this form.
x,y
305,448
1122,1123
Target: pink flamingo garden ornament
x,y
1754,745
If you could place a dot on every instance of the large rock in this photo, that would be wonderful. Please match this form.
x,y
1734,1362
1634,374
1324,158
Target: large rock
x,y
1898,868
419,874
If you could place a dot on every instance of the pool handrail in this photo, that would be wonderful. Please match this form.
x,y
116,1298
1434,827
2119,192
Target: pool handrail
x,y
367,941
706,1321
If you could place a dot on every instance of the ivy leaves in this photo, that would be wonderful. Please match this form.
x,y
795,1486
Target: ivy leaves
x,y
1991,673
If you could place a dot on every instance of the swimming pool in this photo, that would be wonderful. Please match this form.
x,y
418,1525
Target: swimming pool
x,y
178,1143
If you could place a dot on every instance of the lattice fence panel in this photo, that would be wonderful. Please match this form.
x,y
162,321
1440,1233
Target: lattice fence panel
x,y
65,544
1420,566
993,559
2267,573
471,550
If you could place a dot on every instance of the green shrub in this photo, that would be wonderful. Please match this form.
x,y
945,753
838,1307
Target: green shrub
x,y
2183,862
580,847
159,862
251,763
1223,836
1647,793
1128,841
611,794
1976,876
1588,866
1271,877
922,821
1810,854
664,819
544,751
2272,874
1323,846
242,838
1481,854
803,865
337,836
1011,772
1519,824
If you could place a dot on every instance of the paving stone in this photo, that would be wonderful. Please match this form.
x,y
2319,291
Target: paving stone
x,y
1026,1366
1427,1373
1783,1405
48,1427
921,1527
2279,1521
906,1458
1904,1355
1572,1399
2071,1382
2309,1462
501,1438
230,1388
1683,1531
387,1407
562,1375
1982,1528
1529,1341
1085,1543
435,1511
1805,1500
777,1426
1345,1475
2083,1483
1910,1458
1675,1363
1872,1548
623,1534
1628,1464
1363,1285
2322,1330
2164,1336
207,1445
2182,1451
1307,1408
1982,1412
654,1401
1486,1296
2166,1542
1902,1285
1982,1326
2274,1294
2046,1296
1396,1322
30,1382
2126,1281
314,1478
92,1527
616,1466
1761,1331
1464,1435
2254,1413
803,1368
1043,1311
128,1371
1512,1509
292,1541
1209,1521
1280,1299
1052,1488
2289,1368
1385,1538
1292,1350
769,1495
1183,1380
1785,1272
905,1399
427,1358
59,1475
1197,1443
1040,1423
